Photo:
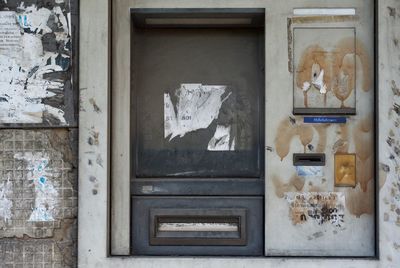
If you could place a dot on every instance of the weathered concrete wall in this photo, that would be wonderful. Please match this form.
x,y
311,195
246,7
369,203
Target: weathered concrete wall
x,y
38,164
38,196
389,135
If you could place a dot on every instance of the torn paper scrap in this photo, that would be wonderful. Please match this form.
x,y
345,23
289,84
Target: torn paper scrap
x,y
318,207
196,108
221,141
310,171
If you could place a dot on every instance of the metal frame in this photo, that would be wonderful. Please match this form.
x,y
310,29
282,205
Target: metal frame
x,y
194,238
93,248
323,111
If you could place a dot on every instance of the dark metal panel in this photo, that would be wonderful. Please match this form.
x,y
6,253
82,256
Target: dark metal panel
x,y
165,58
198,18
309,159
141,224
193,186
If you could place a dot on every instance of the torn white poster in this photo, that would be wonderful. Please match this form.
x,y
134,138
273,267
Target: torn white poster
x,y
221,141
319,207
25,65
10,33
196,108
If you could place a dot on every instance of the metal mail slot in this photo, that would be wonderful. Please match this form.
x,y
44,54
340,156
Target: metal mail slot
x,y
309,159
198,227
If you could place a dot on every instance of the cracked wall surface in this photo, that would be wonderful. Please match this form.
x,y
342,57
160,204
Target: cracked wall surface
x,y
38,199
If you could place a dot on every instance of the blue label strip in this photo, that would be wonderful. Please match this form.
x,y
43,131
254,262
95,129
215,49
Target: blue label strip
x,y
325,120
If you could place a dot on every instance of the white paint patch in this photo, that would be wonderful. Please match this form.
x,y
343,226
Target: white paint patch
x,y
46,196
221,141
197,106
5,202
22,86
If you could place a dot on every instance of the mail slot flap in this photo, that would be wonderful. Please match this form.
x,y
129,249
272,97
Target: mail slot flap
x,y
198,227
309,159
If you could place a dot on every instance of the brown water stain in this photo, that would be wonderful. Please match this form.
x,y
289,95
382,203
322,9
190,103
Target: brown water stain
x,y
346,65
321,130
362,137
280,187
342,145
306,133
360,202
295,184
339,68
283,138
286,131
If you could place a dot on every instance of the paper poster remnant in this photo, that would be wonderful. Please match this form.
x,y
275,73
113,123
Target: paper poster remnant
x,y
5,202
310,171
46,196
196,108
322,207
10,33
316,81
345,170
28,91
221,141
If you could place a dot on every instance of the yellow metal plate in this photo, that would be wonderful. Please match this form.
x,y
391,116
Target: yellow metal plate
x,y
345,170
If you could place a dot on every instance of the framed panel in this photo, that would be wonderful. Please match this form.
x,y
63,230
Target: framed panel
x,y
198,95
324,79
